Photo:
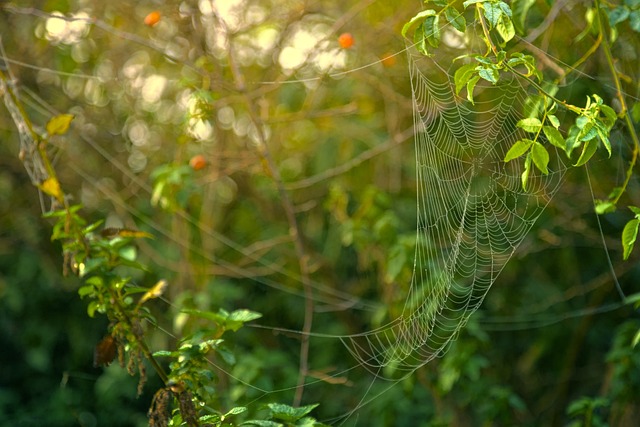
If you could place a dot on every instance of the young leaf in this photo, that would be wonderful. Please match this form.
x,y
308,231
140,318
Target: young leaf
x,y
531,125
525,173
553,120
59,125
629,234
416,20
51,186
463,75
155,292
588,150
518,149
471,84
635,210
505,28
602,133
456,19
540,157
555,137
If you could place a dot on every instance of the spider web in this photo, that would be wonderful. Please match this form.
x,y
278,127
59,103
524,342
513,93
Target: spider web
x,y
472,212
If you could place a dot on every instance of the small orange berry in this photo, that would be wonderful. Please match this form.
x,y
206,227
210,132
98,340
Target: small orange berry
x,y
198,162
345,40
152,18
389,60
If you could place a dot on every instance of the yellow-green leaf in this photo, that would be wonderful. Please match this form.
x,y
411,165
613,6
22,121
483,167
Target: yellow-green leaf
x,y
518,149
588,150
51,186
629,235
59,125
531,125
555,137
155,292
540,157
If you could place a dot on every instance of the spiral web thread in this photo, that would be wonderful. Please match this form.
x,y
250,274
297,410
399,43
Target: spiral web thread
x,y
472,212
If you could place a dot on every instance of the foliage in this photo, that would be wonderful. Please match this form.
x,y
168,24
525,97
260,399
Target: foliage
x,y
302,209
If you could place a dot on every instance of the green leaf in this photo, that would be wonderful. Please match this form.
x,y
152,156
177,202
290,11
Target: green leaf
x,y
554,137
420,17
525,174
634,20
618,15
262,423
604,206
244,315
505,28
629,234
553,120
431,30
288,413
540,157
456,19
235,411
520,10
603,134
86,290
490,74
636,339
163,353
471,84
463,75
492,12
610,114
635,210
588,150
59,125
468,3
519,148
531,125
635,112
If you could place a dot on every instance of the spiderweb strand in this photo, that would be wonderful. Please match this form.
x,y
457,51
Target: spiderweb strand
x,y
472,213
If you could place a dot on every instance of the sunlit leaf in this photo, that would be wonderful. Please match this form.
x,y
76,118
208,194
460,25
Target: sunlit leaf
x,y
603,207
156,291
540,157
471,84
525,174
59,125
51,186
588,150
519,148
463,75
416,20
531,125
629,235
505,28
554,137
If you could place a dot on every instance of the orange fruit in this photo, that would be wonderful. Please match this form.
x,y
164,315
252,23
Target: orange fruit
x,y
388,60
198,162
152,18
345,40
